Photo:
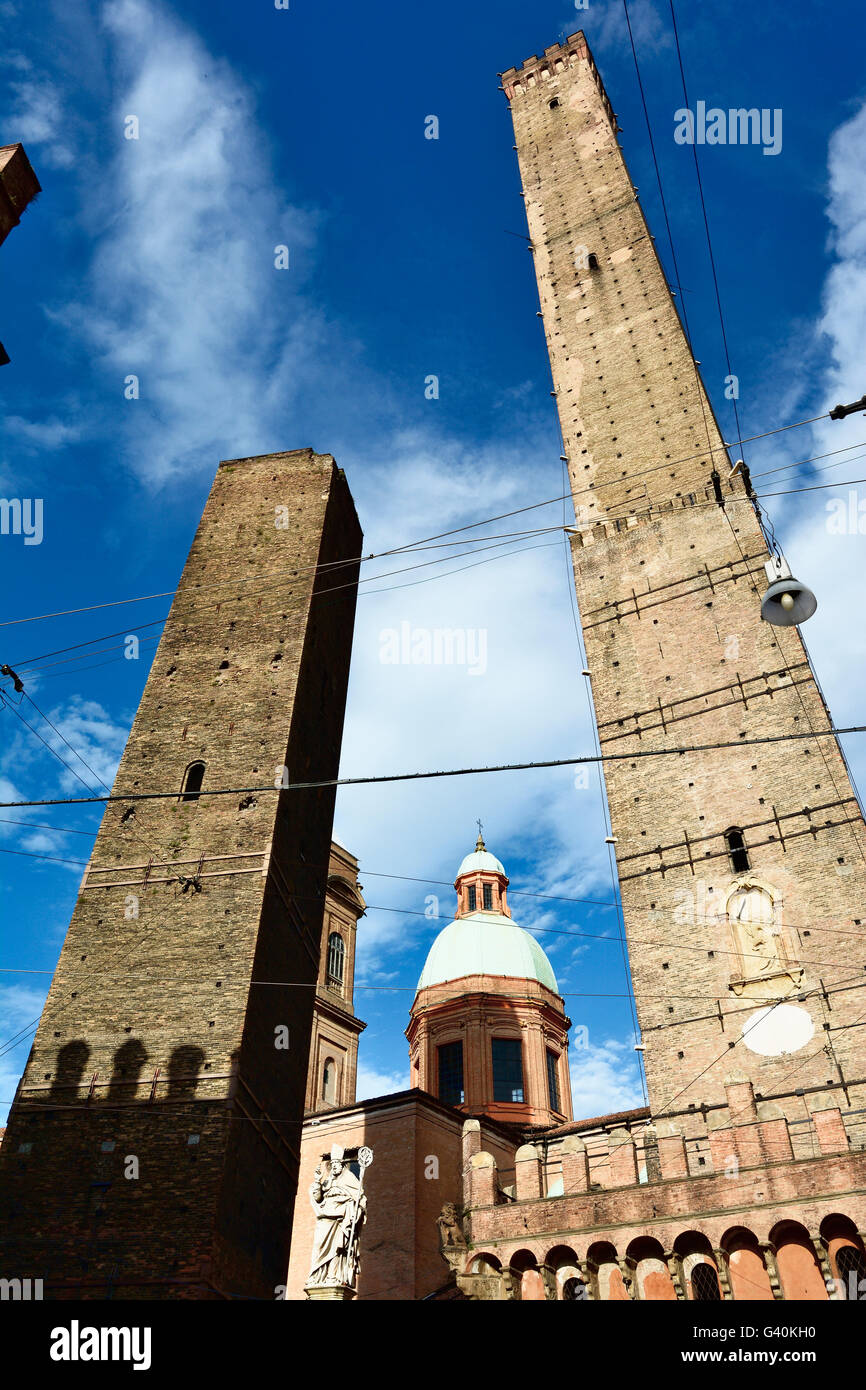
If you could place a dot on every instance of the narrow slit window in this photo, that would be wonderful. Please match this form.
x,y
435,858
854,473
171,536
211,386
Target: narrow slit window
x,y
472,898
488,897
737,852
192,780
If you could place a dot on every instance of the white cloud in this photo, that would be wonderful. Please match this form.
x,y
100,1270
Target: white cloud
x,y
831,563
43,434
182,291
372,1083
605,1079
605,26
528,702
95,737
36,115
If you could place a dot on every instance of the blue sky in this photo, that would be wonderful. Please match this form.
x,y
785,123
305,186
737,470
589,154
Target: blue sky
x,y
261,127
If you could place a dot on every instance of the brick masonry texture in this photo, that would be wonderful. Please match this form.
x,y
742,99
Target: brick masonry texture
x,y
669,588
158,1035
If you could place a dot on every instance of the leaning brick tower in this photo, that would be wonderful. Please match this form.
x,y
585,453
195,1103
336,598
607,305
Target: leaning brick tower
x,y
152,1149
742,868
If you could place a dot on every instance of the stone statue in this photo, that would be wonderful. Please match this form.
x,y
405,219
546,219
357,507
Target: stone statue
x,y
450,1231
340,1205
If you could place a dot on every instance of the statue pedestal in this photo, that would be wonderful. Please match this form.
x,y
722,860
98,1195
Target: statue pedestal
x,y
341,1293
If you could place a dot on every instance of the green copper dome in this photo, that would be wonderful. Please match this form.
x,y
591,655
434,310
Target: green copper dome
x,y
480,861
486,943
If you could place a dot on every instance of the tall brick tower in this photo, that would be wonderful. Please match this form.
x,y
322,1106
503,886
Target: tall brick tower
x,y
152,1149
742,868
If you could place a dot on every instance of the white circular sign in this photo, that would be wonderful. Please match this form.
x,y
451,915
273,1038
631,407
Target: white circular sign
x,y
778,1030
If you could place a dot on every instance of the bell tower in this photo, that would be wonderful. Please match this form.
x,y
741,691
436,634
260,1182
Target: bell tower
x,y
333,1069
488,1032
742,864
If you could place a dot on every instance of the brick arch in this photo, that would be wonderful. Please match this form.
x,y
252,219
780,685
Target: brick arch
x,y
694,1250
846,1255
747,1270
522,1258
560,1255
799,1271
606,1273
534,1249
524,1267
651,1274
482,1256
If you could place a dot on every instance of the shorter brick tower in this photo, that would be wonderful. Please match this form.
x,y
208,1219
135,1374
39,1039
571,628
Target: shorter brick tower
x,y
488,1031
18,187
333,1070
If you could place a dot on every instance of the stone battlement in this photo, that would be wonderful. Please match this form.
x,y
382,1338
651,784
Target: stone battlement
x,y
555,59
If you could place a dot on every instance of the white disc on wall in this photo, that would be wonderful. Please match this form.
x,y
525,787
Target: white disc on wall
x,y
778,1030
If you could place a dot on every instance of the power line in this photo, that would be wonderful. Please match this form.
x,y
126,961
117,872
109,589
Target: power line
x,y
450,772
50,858
413,545
57,829
446,883
836,987
800,463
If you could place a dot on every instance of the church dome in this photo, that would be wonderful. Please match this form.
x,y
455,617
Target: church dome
x,y
486,943
480,861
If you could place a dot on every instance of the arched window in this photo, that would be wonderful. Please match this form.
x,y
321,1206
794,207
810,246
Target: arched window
x,y
336,958
705,1284
739,855
192,780
329,1081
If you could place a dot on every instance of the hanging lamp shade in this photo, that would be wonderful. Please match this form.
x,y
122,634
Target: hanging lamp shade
x,y
787,602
